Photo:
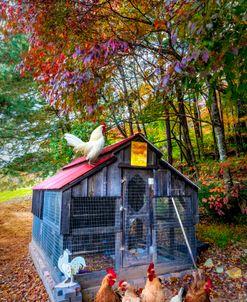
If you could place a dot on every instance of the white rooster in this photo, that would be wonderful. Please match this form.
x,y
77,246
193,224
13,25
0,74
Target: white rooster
x,y
93,147
69,269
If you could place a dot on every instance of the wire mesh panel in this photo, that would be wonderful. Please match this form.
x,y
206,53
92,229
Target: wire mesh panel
x,y
46,231
52,207
94,223
37,229
137,217
51,243
92,212
170,241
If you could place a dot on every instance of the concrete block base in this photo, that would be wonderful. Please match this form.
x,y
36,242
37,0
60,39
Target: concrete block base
x,y
51,280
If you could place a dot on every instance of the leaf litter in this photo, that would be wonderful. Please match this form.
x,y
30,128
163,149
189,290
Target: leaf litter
x,y
19,281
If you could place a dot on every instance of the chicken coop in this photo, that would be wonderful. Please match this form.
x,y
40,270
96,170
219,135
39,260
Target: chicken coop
x,y
117,212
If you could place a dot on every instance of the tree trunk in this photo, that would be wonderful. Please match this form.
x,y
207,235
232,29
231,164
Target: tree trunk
x,y
185,128
126,96
216,153
168,135
235,135
221,111
220,139
219,133
241,112
198,132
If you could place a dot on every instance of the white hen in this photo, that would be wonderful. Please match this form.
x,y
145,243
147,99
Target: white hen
x,y
179,296
93,147
130,294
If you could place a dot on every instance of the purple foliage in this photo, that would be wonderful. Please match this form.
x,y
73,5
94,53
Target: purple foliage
x,y
235,51
157,71
193,56
178,67
90,109
205,56
165,80
174,38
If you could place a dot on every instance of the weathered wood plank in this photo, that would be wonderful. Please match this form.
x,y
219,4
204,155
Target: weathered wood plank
x,y
152,157
96,184
127,155
178,186
162,182
37,203
65,214
128,166
105,184
76,190
94,230
168,183
113,180
80,189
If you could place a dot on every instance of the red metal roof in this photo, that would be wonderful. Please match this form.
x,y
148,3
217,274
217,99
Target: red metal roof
x,y
67,176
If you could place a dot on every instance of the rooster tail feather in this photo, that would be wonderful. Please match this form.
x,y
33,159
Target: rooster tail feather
x,y
181,292
72,140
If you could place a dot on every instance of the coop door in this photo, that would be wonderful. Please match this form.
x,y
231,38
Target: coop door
x,y
136,217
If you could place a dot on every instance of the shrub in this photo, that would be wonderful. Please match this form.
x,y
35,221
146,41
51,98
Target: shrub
x,y
229,205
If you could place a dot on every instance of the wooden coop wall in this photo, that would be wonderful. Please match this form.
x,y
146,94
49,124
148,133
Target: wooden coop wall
x,y
110,182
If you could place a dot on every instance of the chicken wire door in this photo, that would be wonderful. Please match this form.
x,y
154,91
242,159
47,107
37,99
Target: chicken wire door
x,y
136,217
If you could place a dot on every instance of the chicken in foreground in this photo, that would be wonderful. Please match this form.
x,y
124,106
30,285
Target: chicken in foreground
x,y
106,292
199,290
130,293
93,147
179,297
153,290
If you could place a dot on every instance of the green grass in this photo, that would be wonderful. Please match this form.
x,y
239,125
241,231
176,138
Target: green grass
x,y
222,234
8,195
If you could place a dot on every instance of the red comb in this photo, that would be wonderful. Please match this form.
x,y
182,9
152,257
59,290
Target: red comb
x,y
103,127
151,267
209,283
121,282
207,286
112,272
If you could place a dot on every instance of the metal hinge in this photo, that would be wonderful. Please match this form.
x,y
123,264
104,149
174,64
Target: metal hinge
x,y
123,180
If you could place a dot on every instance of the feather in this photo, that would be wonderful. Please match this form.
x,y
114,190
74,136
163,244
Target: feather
x,y
72,140
90,149
153,291
179,296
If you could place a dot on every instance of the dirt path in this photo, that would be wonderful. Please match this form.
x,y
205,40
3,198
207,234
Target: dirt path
x,y
19,281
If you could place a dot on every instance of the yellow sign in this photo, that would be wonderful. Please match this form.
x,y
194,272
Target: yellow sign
x,y
138,154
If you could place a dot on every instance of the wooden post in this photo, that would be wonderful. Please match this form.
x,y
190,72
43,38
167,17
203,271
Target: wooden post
x,y
65,212
119,235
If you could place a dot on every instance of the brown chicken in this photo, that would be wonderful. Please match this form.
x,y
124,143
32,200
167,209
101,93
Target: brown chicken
x,y
153,291
199,290
130,293
106,293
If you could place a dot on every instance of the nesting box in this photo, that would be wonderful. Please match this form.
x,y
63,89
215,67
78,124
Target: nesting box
x,y
117,213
